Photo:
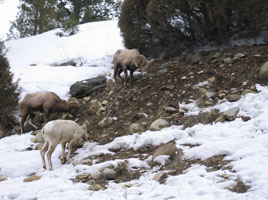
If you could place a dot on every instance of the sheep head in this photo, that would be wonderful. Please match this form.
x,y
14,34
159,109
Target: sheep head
x,y
73,106
143,63
84,130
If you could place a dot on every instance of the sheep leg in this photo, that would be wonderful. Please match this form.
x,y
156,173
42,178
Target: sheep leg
x,y
23,118
126,75
115,72
69,151
119,72
131,75
51,149
63,144
42,152
30,120
46,116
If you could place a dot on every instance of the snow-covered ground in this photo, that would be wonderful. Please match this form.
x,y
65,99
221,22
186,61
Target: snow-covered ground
x,y
245,143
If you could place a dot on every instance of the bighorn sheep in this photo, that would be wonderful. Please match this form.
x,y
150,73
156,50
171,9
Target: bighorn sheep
x,y
129,59
61,132
44,102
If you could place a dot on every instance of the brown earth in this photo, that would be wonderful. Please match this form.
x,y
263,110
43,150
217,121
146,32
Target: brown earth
x,y
144,100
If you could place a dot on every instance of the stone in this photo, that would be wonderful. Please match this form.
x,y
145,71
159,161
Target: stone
x,y
94,106
231,114
81,89
227,60
220,119
32,178
233,97
160,177
166,149
216,55
247,91
240,55
135,128
106,122
96,187
2,178
161,72
264,71
194,59
38,138
109,173
84,177
159,124
171,110
212,79
84,162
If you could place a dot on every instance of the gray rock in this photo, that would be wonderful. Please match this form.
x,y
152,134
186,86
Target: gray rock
x,y
84,177
135,128
216,55
84,88
227,60
160,177
109,173
106,122
94,106
231,114
166,149
159,124
233,97
171,110
264,71
247,91
240,55
194,59
2,178
161,72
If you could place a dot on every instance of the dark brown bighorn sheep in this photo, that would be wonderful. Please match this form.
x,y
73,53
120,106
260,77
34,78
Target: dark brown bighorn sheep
x,y
46,103
129,59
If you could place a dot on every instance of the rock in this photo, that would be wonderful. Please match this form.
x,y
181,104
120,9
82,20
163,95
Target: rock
x,y
38,138
233,97
220,119
159,124
84,177
106,122
32,178
227,60
96,187
84,88
109,174
135,128
166,65
171,110
264,71
2,178
194,59
161,72
166,149
212,79
160,177
94,106
231,114
216,55
247,91
83,162
240,55
245,118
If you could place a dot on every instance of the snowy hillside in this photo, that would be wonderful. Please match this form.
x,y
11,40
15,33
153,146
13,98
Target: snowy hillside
x,y
34,59
34,62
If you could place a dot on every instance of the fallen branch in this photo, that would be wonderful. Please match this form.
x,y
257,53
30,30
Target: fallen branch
x,y
109,108
148,86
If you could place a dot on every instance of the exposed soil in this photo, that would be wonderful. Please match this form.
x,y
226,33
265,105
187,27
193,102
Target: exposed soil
x,y
144,100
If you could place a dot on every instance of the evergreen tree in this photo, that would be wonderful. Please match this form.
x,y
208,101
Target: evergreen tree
x,y
34,17
8,93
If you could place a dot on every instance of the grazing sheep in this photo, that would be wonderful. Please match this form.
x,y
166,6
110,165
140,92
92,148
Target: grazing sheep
x,y
129,59
44,102
61,132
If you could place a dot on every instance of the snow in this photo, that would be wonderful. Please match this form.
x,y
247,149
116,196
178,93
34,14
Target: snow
x,y
244,143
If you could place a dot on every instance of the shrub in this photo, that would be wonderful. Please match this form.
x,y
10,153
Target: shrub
x,y
8,93
166,28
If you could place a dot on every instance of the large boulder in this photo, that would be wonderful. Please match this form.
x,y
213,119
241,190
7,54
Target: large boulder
x,y
84,88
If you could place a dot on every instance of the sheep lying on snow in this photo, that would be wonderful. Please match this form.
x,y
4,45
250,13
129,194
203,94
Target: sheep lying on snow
x,y
129,59
45,102
61,132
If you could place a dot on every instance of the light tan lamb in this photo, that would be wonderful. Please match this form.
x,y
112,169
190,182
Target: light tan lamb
x,y
61,132
46,103
129,59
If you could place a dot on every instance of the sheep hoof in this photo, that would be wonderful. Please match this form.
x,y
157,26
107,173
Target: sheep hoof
x,y
51,169
62,161
44,167
68,162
